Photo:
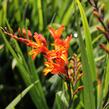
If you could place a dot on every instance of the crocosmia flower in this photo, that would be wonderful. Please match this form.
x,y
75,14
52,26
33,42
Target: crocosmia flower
x,y
40,45
56,34
57,58
57,67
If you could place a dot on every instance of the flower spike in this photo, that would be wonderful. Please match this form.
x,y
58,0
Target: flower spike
x,y
56,59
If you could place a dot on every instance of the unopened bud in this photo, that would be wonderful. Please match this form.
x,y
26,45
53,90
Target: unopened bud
x,y
100,28
78,89
96,13
24,32
104,47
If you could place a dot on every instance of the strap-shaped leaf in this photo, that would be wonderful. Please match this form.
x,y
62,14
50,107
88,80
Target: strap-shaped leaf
x,y
20,96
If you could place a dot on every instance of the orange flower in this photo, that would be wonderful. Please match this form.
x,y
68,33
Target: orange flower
x,y
57,37
62,43
58,57
57,61
38,46
57,67
60,53
56,33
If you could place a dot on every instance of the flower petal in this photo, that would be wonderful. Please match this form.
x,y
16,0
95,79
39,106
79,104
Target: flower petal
x,y
56,33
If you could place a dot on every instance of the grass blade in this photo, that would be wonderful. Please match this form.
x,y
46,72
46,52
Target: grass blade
x,y
40,14
44,9
68,14
89,99
20,96
88,41
106,80
64,7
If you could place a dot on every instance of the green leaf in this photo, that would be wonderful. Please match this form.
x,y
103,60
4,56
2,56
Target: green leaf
x,y
40,14
88,41
89,96
20,96
106,80
60,101
89,100
63,9
44,9
67,16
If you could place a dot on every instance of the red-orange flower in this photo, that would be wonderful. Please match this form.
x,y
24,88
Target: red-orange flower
x,y
40,45
58,57
57,67
60,53
56,33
